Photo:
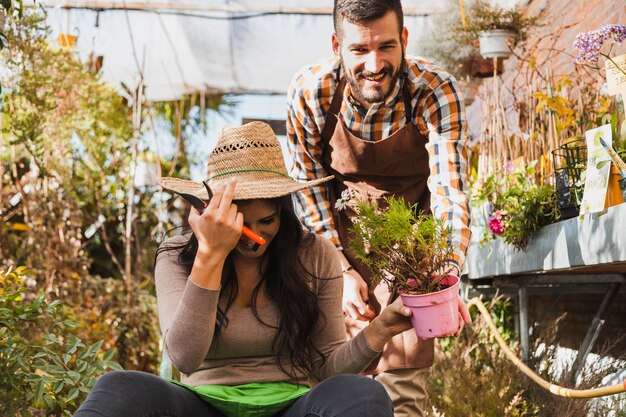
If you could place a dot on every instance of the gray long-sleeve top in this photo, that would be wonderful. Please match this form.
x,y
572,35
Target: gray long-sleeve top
x,y
243,352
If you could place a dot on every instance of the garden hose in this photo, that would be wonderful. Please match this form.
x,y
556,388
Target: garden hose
x,y
554,389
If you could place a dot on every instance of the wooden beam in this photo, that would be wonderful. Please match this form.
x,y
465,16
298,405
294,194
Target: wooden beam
x,y
205,7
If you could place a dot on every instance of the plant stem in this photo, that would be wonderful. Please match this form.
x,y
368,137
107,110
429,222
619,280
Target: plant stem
x,y
613,62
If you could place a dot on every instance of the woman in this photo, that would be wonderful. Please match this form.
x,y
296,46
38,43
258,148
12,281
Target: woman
x,y
253,332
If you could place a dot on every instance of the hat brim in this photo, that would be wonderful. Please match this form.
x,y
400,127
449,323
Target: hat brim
x,y
259,188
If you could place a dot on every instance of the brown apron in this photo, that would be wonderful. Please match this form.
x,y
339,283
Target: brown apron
x,y
394,166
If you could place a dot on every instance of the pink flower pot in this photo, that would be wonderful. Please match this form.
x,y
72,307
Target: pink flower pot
x,y
435,314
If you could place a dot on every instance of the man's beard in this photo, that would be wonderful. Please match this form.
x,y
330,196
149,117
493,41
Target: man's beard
x,y
373,95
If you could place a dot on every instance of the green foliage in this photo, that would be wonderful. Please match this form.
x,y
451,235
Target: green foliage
x,y
73,131
11,8
403,248
456,50
66,160
46,369
450,49
132,330
519,206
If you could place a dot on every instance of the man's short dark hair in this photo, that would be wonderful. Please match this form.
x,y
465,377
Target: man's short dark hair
x,y
364,11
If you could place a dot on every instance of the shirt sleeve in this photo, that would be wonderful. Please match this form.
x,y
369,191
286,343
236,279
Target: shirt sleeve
x,y
187,313
305,147
342,356
444,115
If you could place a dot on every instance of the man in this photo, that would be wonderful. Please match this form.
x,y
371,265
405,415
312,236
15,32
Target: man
x,y
383,125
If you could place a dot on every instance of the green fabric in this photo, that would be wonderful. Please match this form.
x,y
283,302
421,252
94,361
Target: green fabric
x,y
259,399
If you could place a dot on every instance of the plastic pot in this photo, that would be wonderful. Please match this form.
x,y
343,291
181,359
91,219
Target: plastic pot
x,y
495,43
435,314
614,189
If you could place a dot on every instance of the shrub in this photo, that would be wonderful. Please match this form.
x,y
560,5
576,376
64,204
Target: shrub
x,y
472,377
46,369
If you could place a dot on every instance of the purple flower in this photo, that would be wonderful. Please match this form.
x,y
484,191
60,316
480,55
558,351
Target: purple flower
x,y
590,43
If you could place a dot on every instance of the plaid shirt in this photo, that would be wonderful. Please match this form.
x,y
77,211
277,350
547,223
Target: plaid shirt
x,y
440,116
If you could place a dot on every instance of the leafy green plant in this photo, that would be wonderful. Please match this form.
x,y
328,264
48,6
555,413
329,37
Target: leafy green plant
x,y
407,250
133,331
46,369
12,8
519,206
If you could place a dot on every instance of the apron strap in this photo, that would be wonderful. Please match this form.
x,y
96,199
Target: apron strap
x,y
406,95
331,119
335,106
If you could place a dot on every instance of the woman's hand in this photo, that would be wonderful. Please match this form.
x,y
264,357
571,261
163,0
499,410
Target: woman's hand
x,y
218,229
393,320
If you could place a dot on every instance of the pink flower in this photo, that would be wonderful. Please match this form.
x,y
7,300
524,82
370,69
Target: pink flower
x,y
496,224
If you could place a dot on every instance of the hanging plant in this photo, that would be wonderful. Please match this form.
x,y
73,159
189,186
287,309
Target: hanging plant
x,y
497,29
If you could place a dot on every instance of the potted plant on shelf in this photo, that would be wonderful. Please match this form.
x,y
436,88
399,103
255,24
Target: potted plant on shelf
x,y
498,29
519,206
409,252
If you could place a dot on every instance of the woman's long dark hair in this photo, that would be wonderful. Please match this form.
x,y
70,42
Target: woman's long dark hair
x,y
287,283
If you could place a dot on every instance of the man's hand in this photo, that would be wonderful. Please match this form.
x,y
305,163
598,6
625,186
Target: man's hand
x,y
355,297
464,315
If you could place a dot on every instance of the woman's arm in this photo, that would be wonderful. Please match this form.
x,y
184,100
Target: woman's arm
x,y
343,356
188,304
187,312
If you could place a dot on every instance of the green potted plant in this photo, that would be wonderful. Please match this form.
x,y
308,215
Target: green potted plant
x,y
409,252
498,29
518,206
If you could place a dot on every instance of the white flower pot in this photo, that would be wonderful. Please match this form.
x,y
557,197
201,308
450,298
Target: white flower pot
x,y
495,43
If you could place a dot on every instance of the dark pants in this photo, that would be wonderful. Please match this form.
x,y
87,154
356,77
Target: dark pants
x,y
138,394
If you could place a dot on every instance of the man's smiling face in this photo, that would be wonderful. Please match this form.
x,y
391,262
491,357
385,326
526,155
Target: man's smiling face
x,y
371,56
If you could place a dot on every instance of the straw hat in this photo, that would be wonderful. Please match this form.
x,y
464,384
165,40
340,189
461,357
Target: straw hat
x,y
252,154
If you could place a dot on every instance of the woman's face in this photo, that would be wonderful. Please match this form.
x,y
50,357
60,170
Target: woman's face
x,y
263,217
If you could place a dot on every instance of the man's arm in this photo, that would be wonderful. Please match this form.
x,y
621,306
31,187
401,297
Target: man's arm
x,y
444,114
305,147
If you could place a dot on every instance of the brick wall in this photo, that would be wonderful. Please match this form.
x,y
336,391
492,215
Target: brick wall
x,y
568,17
581,309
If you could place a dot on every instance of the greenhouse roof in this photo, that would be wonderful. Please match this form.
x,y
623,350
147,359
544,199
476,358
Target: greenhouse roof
x,y
211,46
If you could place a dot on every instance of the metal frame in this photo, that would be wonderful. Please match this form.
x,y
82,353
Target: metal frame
x,y
522,286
